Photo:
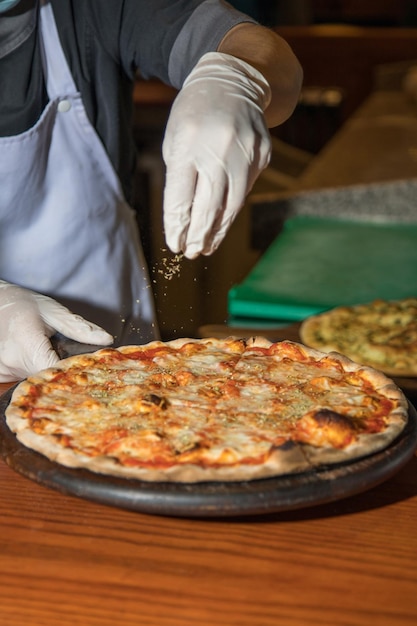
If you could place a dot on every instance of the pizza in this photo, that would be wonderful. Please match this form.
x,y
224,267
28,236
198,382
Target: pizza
x,y
381,334
206,410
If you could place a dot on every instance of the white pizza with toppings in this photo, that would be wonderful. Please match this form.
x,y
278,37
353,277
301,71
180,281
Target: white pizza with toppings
x,y
206,410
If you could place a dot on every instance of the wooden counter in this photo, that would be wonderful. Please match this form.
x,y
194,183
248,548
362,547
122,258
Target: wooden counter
x,y
377,144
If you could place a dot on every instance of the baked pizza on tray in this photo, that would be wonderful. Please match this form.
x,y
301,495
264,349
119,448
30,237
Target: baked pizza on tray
x,y
206,410
381,334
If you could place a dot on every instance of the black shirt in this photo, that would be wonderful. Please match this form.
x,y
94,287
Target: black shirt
x,y
106,42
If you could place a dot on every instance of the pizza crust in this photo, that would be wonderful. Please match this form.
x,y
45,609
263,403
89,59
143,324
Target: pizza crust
x,y
365,445
286,460
289,458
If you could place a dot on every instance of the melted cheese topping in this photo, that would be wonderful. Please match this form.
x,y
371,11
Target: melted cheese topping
x,y
201,404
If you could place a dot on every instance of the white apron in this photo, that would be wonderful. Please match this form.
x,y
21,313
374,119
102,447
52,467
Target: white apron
x,y
66,229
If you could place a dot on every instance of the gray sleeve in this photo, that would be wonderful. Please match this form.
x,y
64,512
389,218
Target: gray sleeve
x,y
202,33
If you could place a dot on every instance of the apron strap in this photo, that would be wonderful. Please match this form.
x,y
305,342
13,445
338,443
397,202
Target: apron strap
x,y
58,77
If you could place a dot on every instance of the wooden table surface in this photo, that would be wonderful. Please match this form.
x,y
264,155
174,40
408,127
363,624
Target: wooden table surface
x,y
68,561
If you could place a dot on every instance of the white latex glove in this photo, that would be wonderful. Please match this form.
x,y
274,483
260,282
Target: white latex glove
x,y
27,320
216,144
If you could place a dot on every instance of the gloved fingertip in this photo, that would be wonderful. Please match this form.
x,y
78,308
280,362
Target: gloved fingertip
x,y
174,249
88,332
174,244
192,252
209,251
100,337
213,246
79,329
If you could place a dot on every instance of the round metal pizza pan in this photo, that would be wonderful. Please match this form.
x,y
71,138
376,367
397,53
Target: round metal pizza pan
x,y
213,499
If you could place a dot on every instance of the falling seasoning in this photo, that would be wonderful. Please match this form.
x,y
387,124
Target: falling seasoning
x,y
170,266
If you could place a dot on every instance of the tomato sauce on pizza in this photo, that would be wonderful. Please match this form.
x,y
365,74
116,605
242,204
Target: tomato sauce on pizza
x,y
202,410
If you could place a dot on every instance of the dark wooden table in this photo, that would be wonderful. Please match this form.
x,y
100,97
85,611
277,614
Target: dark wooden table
x,y
65,560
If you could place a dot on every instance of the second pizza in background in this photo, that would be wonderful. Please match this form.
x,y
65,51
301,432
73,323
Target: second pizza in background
x,y
381,334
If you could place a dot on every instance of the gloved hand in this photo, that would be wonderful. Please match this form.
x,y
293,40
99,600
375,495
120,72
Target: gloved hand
x,y
27,320
216,144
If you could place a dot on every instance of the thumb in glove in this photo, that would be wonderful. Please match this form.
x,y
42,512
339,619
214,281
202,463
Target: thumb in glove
x,y
27,320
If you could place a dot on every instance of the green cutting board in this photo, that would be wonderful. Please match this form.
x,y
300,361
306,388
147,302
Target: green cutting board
x,y
318,263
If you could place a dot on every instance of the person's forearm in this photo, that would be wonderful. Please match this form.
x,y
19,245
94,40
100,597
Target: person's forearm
x,y
272,56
